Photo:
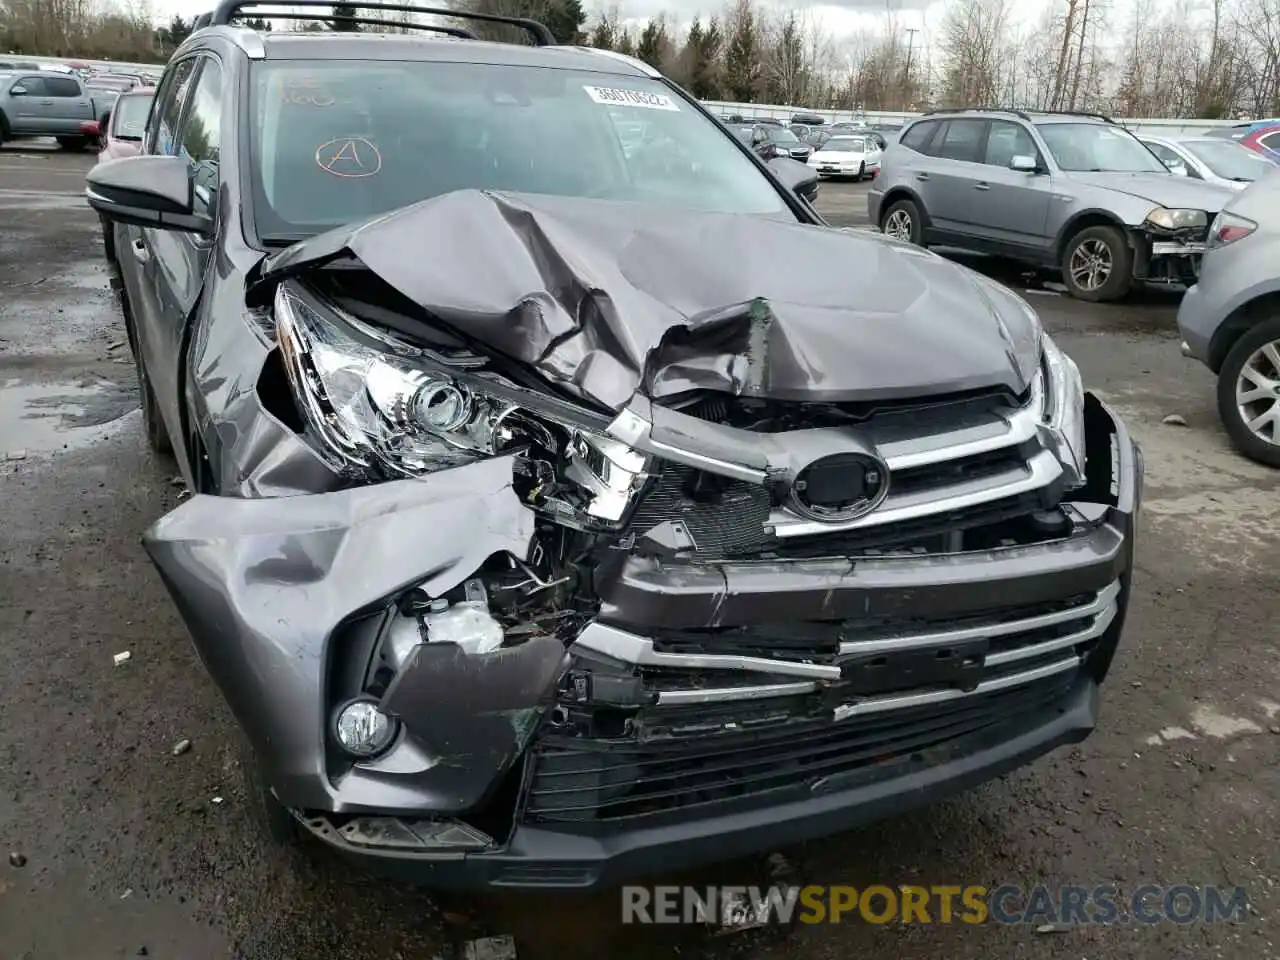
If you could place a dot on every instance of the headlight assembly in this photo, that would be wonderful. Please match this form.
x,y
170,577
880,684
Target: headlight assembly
x,y
1063,411
378,408
1168,219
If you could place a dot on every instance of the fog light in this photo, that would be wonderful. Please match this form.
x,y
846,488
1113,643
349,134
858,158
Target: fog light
x,y
363,730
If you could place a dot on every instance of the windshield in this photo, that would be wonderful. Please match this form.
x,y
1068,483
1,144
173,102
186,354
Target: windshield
x,y
845,145
781,135
1098,147
129,116
333,142
1229,160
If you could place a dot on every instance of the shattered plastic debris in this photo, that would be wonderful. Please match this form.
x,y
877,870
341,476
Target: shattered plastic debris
x,y
181,747
123,657
490,948
16,455
19,861
1175,420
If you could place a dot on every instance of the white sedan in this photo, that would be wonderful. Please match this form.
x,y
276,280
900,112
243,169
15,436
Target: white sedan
x,y
847,156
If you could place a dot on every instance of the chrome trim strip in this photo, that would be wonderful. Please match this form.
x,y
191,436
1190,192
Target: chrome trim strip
x,y
631,648
1103,604
1019,427
633,429
1091,632
930,697
724,694
1040,471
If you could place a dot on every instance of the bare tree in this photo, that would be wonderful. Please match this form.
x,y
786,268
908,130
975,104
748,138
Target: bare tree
x,y
973,42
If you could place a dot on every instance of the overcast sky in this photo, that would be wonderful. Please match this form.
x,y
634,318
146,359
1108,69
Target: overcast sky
x,y
840,18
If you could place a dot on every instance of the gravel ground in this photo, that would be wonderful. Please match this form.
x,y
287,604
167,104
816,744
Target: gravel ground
x,y
128,850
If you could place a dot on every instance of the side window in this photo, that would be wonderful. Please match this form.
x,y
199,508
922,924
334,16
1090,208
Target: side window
x,y
1006,140
1167,156
199,136
1271,141
33,85
61,87
163,123
959,140
918,135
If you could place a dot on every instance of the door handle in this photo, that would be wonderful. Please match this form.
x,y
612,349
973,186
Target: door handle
x,y
140,251
982,186
922,176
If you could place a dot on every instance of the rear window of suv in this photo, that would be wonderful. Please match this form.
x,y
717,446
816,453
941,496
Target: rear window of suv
x,y
332,142
918,134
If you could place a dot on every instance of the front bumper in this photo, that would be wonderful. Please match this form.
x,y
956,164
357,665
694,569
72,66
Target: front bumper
x,y
264,585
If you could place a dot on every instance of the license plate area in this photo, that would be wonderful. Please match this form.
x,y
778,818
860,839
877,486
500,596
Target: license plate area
x,y
955,665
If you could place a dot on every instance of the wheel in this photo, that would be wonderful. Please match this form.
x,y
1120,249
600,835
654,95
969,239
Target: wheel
x,y
152,422
108,239
1097,264
73,143
1249,393
266,810
902,222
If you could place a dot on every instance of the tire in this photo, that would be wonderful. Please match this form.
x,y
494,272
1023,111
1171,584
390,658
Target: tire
x,y
267,812
74,144
152,422
903,220
108,239
1251,351
1107,259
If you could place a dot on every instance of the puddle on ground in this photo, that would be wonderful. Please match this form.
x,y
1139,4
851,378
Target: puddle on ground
x,y
45,417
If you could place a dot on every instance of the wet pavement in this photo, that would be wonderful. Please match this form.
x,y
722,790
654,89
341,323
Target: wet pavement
x,y
128,850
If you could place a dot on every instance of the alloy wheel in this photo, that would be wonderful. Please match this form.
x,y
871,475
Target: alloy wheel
x,y
1091,264
898,225
1258,393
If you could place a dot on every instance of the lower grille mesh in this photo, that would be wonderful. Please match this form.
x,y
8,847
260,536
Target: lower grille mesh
x,y
580,780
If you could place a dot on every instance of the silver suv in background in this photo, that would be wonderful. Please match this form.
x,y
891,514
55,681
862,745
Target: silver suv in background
x,y
1230,320
1072,191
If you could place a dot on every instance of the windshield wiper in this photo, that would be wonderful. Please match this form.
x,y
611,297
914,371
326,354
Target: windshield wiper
x,y
283,239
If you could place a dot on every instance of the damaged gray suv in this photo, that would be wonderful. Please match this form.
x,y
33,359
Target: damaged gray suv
x,y
561,519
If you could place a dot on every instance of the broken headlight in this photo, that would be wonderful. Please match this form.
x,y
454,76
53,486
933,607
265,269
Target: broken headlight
x,y
378,408
1063,409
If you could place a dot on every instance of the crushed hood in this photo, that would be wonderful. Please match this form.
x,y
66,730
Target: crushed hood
x,y
1163,189
608,298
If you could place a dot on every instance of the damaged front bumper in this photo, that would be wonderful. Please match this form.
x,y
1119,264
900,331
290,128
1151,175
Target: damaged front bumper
x,y
1168,256
706,710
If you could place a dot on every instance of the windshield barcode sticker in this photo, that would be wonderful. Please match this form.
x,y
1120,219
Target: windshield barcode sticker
x,y
631,98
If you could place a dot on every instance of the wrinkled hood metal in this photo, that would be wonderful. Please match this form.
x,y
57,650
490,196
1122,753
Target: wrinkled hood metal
x,y
608,298
1162,189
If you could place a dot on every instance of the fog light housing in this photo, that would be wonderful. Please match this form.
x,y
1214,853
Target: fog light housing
x,y
363,730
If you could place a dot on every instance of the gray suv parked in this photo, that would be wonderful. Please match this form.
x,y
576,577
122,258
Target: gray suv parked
x,y
1073,191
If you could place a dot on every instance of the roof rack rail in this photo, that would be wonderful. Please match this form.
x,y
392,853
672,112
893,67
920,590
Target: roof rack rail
x,y
1017,113
1076,113
228,10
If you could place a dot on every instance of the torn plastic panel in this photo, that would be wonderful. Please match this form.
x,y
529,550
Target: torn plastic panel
x,y
263,584
608,299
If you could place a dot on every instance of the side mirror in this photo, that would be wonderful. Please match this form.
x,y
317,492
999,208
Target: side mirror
x,y
1177,169
147,191
17,90
799,178
1024,163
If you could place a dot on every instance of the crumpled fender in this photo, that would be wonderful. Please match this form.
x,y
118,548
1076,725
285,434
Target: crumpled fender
x,y
262,584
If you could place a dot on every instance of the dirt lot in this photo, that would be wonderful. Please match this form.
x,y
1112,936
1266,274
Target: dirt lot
x,y
128,850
